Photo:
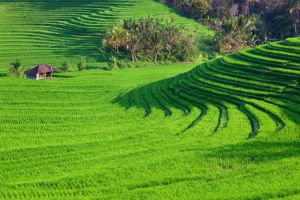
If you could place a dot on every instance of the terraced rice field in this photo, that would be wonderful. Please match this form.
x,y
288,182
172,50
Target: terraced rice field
x,y
259,85
226,129
53,31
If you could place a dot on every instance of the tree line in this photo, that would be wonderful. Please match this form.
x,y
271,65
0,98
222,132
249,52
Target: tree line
x,y
255,21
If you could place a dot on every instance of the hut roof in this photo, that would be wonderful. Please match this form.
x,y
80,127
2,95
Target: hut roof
x,y
40,69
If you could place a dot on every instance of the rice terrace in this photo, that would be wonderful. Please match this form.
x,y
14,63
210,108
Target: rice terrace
x,y
150,99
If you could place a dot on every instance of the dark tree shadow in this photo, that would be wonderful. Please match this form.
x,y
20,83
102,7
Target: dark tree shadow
x,y
3,74
202,86
58,75
292,108
88,47
148,97
81,39
169,94
256,151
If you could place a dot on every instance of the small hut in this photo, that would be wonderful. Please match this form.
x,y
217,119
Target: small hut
x,y
41,71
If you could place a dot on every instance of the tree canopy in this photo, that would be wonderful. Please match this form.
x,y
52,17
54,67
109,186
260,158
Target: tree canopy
x,y
150,39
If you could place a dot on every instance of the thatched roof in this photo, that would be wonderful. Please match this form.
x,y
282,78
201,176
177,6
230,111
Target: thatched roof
x,y
40,69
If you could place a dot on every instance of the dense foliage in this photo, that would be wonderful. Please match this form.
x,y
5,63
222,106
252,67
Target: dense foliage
x,y
236,33
275,19
150,39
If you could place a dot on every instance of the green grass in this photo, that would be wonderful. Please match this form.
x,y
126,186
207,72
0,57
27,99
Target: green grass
x,y
226,129
53,31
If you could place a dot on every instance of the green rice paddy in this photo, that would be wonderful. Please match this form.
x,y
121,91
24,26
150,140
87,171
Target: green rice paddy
x,y
53,31
225,129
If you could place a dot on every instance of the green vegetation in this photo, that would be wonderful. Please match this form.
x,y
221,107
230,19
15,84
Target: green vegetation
x,y
112,62
231,131
271,19
151,39
225,129
17,68
257,82
236,33
54,31
66,66
82,64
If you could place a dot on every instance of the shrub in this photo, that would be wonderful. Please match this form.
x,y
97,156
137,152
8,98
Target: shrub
x,y
66,66
17,68
82,64
112,62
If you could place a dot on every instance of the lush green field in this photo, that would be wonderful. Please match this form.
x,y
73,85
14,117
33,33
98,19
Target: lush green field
x,y
227,129
52,31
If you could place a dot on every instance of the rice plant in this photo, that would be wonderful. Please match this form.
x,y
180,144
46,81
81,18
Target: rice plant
x,y
225,129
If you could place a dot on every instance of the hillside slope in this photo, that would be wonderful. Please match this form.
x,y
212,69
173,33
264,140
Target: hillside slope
x,y
260,86
66,139
52,31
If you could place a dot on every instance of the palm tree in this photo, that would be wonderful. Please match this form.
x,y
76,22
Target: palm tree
x,y
295,15
118,37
